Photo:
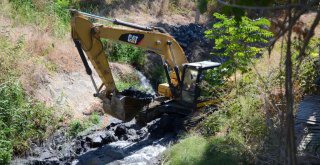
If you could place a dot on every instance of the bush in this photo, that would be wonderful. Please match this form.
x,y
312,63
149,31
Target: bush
x,y
21,120
245,39
240,109
308,71
5,151
127,54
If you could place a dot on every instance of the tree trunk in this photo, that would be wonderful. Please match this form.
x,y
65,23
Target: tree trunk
x,y
291,145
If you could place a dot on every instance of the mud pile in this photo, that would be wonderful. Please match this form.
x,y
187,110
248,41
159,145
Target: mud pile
x,y
118,143
193,41
137,94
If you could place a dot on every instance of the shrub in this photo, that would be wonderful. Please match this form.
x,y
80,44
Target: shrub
x,y
21,120
240,116
127,54
5,151
308,71
75,127
245,39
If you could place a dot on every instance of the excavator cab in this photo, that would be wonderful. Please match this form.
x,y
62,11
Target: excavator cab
x,y
187,99
192,76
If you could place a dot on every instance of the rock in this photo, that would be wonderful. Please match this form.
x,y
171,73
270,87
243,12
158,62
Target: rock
x,y
96,142
120,130
131,132
109,137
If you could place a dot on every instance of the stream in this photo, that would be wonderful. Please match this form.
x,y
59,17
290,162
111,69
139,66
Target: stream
x,y
118,143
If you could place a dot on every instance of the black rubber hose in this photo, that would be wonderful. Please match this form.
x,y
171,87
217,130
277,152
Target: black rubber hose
x,y
83,57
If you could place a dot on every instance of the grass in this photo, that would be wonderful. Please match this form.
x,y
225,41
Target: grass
x,y
232,135
241,131
22,120
197,150
47,15
76,126
188,151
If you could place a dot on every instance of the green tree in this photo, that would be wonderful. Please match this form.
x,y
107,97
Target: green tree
x,y
238,42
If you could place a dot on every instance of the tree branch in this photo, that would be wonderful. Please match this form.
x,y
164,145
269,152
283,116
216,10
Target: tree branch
x,y
306,41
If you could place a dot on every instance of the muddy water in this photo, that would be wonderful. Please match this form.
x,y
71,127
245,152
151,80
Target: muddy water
x,y
118,143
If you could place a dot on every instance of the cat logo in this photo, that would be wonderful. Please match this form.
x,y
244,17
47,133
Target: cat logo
x,y
133,39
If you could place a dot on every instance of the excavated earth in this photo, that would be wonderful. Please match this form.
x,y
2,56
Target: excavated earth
x,y
118,143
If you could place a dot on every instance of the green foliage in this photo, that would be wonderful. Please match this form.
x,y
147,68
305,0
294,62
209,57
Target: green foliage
x,y
239,122
94,118
202,151
239,42
125,85
240,115
21,120
8,55
125,53
77,126
128,54
233,134
308,75
52,15
188,151
308,71
5,151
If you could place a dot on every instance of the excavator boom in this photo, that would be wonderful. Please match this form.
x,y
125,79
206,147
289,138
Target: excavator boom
x,y
89,35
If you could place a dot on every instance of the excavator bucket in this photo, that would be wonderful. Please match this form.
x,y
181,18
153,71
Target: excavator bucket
x,y
126,105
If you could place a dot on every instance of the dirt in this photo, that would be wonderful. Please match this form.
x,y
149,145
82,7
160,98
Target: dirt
x,y
73,90
148,12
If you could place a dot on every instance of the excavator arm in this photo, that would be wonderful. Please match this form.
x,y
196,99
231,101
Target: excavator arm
x,y
89,36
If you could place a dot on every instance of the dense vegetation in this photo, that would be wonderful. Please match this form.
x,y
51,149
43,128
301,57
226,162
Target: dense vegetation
x,y
22,119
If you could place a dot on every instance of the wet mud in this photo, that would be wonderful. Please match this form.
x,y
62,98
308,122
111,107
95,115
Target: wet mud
x,y
118,143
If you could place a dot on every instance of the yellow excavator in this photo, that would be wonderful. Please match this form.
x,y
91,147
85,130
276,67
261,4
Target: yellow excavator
x,y
179,95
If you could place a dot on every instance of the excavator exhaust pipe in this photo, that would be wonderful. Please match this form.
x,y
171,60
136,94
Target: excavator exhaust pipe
x,y
126,105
